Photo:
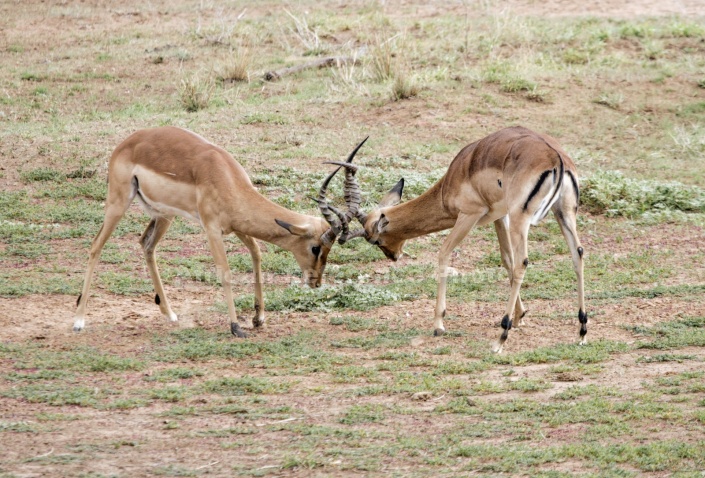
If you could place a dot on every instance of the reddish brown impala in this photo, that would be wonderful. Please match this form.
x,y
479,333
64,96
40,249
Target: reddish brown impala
x,y
512,178
174,172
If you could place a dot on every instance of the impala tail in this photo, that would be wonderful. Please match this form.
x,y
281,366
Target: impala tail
x,y
549,199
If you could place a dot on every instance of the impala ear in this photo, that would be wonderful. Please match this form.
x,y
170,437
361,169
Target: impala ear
x,y
381,224
394,195
295,230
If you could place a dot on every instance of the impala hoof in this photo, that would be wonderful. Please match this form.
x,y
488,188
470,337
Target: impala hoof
x,y
497,347
439,332
78,325
237,331
258,321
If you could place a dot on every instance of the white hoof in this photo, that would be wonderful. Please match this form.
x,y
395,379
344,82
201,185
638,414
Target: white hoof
x,y
172,317
497,347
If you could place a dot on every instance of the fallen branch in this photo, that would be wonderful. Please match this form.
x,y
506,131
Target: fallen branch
x,y
275,75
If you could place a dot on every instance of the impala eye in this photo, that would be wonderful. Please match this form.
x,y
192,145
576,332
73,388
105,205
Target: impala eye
x,y
316,250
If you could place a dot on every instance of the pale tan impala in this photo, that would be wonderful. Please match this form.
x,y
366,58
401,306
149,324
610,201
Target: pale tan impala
x,y
512,178
174,172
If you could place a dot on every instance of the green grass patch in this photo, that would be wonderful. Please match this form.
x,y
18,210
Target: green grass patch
x,y
613,194
593,352
245,385
329,297
687,332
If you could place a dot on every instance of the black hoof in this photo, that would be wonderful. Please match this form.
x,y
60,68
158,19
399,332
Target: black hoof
x,y
237,331
257,322
438,332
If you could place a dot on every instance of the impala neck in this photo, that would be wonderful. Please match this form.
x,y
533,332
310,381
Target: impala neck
x,y
420,216
260,222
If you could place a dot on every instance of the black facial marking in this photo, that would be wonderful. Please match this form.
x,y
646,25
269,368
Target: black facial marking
x,y
78,301
582,317
499,181
157,300
506,323
526,262
536,189
580,252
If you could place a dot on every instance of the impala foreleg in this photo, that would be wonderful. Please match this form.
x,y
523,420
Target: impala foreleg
x,y
222,268
462,227
151,236
505,248
567,222
519,231
256,254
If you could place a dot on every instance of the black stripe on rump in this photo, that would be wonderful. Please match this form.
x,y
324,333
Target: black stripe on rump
x,y
575,186
537,187
556,191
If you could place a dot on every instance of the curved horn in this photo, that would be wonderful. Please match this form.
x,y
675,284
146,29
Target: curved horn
x,y
331,215
353,197
352,235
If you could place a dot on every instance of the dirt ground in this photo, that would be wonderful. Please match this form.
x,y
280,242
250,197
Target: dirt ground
x,y
126,325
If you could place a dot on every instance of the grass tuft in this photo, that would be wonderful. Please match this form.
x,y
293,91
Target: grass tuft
x,y
237,67
195,93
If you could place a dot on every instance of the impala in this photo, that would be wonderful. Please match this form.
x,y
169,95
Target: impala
x,y
174,172
512,178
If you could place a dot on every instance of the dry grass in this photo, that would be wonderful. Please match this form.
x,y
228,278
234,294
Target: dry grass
x,y
195,92
237,67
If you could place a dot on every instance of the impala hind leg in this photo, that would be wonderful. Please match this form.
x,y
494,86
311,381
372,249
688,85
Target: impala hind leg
x,y
501,227
151,236
256,254
119,198
462,227
568,224
518,233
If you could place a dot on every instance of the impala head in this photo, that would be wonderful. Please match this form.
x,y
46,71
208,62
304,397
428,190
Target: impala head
x,y
377,229
317,237
310,248
376,232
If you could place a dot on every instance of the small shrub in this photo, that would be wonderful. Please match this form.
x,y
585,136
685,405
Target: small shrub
x,y
195,93
41,175
237,67
610,193
403,87
348,296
